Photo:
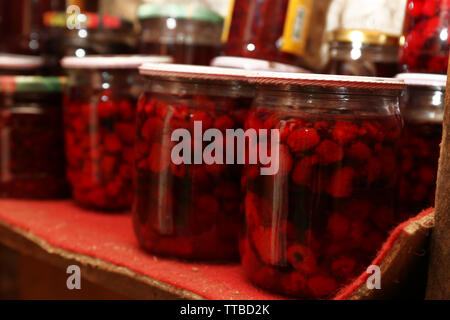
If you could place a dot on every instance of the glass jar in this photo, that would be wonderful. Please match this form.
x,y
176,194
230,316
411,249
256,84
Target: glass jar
x,y
99,121
425,39
187,32
191,208
12,64
363,53
254,65
21,29
423,112
316,224
32,164
273,30
96,34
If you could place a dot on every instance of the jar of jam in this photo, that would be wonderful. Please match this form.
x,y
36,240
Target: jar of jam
x,y
14,64
363,53
425,39
188,202
32,164
254,64
188,32
99,120
273,30
316,223
423,111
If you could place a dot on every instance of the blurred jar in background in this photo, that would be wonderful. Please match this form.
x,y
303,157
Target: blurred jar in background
x,y
21,24
189,33
15,64
96,34
425,41
363,53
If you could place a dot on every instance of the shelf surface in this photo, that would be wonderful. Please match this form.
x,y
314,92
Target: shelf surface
x,y
107,251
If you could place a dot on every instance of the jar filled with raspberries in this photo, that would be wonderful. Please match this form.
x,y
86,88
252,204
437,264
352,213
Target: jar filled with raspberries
x,y
187,201
423,111
32,164
426,40
99,121
316,224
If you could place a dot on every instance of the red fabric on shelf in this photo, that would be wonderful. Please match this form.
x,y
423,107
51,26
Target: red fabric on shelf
x,y
111,238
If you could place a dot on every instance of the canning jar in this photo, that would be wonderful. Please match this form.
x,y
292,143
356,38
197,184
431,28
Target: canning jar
x,y
188,32
274,30
187,203
423,112
254,64
317,222
425,38
13,64
91,34
99,120
363,53
32,164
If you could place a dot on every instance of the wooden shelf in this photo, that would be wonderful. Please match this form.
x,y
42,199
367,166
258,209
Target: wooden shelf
x,y
104,246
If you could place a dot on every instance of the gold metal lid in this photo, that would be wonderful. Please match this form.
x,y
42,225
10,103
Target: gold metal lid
x,y
364,36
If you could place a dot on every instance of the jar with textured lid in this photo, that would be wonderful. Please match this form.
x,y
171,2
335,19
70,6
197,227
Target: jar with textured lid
x,y
423,112
316,224
32,164
363,53
189,33
99,122
189,209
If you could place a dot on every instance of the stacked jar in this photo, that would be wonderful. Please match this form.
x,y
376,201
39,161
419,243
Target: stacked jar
x,y
32,161
423,111
188,32
363,53
188,200
99,121
426,42
272,30
315,225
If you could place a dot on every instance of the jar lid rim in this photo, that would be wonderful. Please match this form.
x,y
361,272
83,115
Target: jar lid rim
x,y
112,62
326,80
423,79
254,64
194,71
364,36
20,62
22,84
178,10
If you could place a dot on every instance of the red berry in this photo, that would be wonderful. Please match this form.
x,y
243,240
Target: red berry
x,y
303,139
341,184
329,152
302,259
345,132
322,286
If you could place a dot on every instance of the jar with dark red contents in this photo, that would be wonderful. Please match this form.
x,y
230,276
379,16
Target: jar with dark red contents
x,y
187,204
14,64
273,30
423,112
363,53
32,164
190,33
426,42
99,121
315,224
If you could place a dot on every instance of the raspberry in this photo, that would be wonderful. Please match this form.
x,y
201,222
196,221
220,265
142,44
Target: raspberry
x,y
223,123
322,286
152,128
360,151
303,139
373,130
302,259
303,169
338,225
341,184
125,131
343,267
345,132
294,283
329,152
112,143
107,165
106,109
126,111
203,117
